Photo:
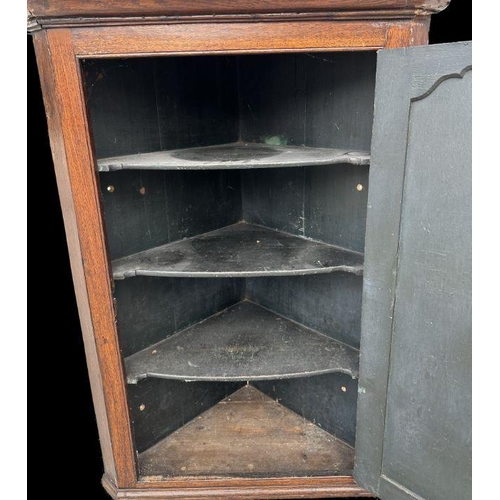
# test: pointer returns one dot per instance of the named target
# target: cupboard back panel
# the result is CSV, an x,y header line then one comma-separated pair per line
x,y
321,100
151,208
150,104
327,303
326,203
274,198
328,401
159,407
152,309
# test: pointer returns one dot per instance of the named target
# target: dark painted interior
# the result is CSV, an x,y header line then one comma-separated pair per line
x,y
150,104
142,105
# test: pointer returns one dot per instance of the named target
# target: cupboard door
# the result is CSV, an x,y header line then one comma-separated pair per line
x,y
414,411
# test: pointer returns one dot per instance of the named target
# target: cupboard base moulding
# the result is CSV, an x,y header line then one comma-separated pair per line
x,y
323,487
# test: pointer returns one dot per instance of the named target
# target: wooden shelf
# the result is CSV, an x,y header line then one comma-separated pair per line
x,y
247,434
240,250
244,342
238,155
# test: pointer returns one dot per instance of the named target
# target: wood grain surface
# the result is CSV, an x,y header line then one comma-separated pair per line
x,y
77,183
242,489
95,8
414,33
244,37
248,434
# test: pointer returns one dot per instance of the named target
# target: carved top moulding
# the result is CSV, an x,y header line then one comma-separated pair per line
x,y
69,13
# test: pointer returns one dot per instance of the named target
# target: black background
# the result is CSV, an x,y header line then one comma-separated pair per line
x,y
67,440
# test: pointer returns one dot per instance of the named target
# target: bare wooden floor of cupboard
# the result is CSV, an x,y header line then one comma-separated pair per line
x,y
247,434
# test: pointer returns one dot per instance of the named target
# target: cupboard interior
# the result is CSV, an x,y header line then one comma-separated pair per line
x,y
234,192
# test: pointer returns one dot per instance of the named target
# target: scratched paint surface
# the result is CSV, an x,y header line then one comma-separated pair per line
x,y
429,405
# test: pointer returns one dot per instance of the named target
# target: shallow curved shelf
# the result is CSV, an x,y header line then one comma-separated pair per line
x,y
238,155
242,343
241,250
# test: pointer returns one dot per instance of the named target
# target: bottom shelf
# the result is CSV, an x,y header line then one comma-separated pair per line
x,y
247,434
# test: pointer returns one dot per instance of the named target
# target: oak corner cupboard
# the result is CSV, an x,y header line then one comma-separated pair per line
x,y
267,206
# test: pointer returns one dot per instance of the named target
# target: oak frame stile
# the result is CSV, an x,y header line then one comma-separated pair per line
x,y
65,32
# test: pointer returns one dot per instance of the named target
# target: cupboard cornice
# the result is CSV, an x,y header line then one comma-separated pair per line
x,y
72,13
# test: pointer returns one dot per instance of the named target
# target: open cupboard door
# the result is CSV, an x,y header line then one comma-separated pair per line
x,y
414,411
